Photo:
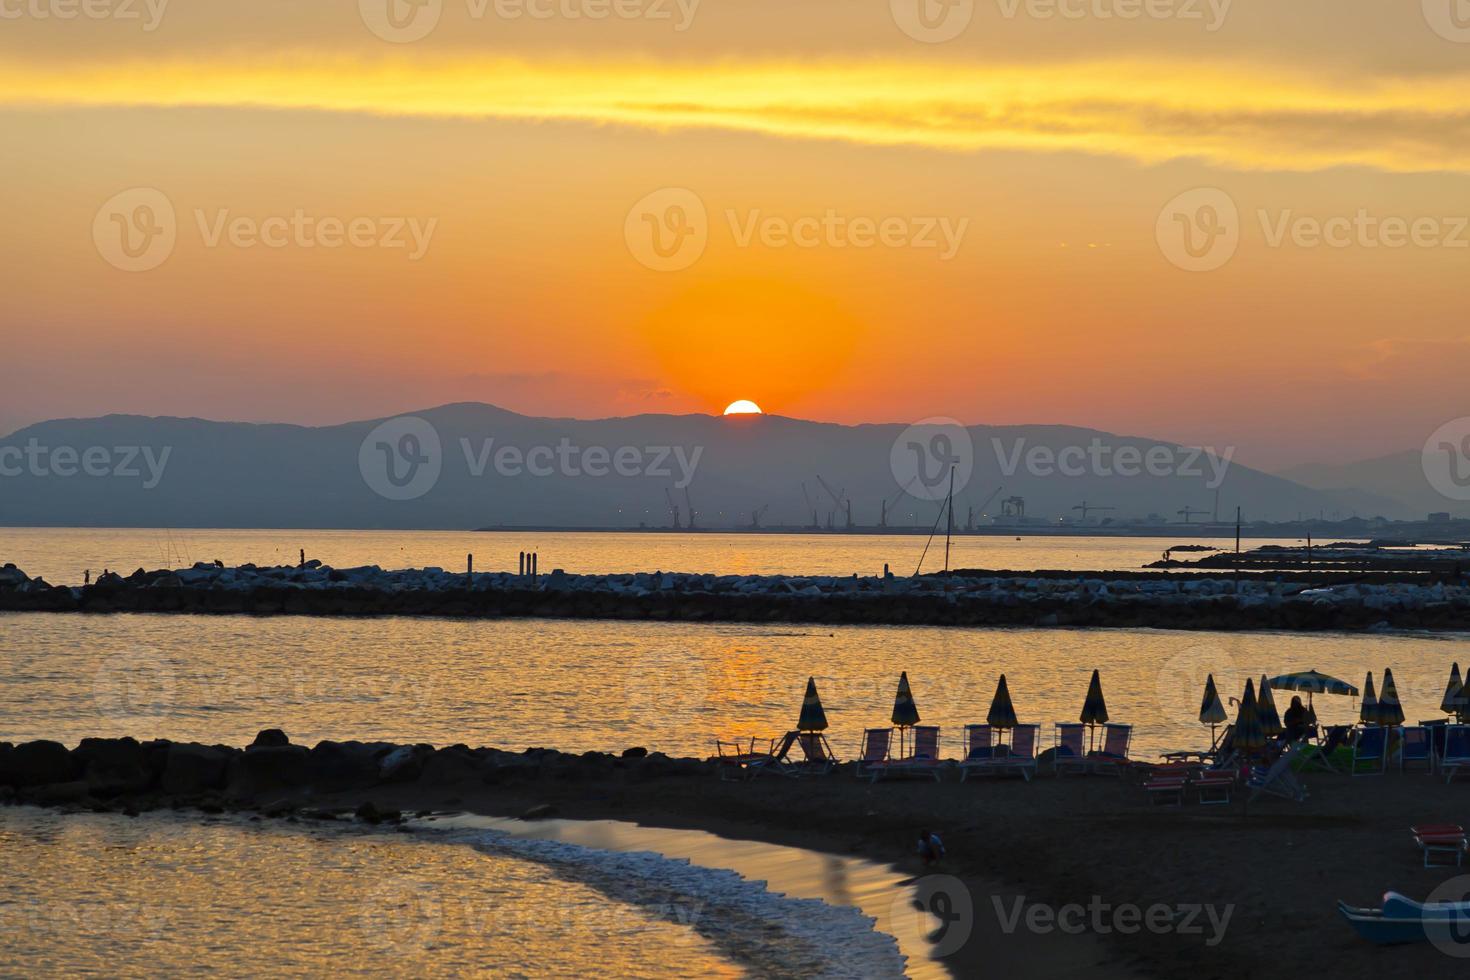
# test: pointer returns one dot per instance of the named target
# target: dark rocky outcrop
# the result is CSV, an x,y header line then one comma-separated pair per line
x,y
36,764
191,768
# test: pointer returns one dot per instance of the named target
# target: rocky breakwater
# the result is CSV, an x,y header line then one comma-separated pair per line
x,y
278,778
1160,599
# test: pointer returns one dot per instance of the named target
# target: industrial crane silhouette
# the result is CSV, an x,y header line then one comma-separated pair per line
x,y
1189,512
757,514
1013,507
1087,508
839,501
673,507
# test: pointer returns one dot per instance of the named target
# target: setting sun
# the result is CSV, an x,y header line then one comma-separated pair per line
x,y
743,407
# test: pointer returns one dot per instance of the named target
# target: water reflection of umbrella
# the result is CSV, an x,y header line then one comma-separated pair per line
x,y
1002,713
1368,711
905,712
1094,708
1248,734
1390,712
813,718
1455,699
1212,709
1266,711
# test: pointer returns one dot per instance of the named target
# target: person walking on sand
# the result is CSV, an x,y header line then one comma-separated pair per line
x,y
931,848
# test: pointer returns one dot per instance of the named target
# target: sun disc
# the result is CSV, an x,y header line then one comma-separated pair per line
x,y
743,407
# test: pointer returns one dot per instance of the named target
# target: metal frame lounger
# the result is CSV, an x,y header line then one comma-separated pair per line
x,y
1112,758
1415,748
1020,757
873,754
979,749
818,758
1456,751
924,762
1279,780
1370,744
1440,839
1067,747
1214,787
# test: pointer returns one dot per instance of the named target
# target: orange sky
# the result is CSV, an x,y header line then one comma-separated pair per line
x,y
1045,147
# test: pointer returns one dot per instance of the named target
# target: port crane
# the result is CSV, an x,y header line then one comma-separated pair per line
x,y
1013,507
810,506
690,516
970,511
673,508
757,514
1087,508
839,500
1189,512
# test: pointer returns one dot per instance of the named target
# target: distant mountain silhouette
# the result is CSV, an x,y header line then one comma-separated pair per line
x,y
230,474
1399,476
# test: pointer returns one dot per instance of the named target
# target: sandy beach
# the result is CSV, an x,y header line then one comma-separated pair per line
x,y
1141,890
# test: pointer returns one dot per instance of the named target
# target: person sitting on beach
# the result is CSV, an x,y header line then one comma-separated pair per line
x,y
931,848
1296,720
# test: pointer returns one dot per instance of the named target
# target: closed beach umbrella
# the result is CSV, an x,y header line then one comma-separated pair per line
x,y
1266,711
905,712
1002,713
1455,701
1368,710
1390,712
813,718
1211,708
1094,708
1248,734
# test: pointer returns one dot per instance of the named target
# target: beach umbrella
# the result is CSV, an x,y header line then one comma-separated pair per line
x,y
1002,713
1455,699
1212,709
1248,734
1266,711
905,712
1368,710
1094,708
813,718
1390,712
1310,682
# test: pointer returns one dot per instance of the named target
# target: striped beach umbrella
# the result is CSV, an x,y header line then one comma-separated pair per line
x,y
813,718
1368,710
1248,734
1211,708
1266,711
1094,708
905,712
1390,712
1311,682
1455,700
1002,713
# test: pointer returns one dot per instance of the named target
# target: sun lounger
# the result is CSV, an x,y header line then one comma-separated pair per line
x,y
1318,755
924,762
1278,780
1112,758
1440,840
1068,752
979,749
1020,757
742,759
1456,751
1370,748
1166,788
817,757
1214,786
874,753
1415,748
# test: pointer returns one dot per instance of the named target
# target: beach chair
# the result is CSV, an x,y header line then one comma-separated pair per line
x,y
1318,755
741,759
1370,746
1112,758
1022,757
817,756
1440,840
874,752
1416,749
1214,787
1068,752
1456,757
1279,779
1166,788
924,762
1222,740
979,749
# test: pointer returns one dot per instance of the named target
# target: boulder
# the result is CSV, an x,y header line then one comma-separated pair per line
x,y
270,738
404,764
191,768
637,752
113,766
451,765
333,766
268,769
36,764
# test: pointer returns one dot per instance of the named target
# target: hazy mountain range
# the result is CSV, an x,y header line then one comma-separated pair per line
x,y
492,467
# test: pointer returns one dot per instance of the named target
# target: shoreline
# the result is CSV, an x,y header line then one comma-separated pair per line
x,y
1161,600
1273,870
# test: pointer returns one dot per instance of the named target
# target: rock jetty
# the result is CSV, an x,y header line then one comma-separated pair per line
x,y
1121,599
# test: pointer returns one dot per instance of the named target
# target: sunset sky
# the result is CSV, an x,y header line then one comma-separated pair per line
x,y
520,145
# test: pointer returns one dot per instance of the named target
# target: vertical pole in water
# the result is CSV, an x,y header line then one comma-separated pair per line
x,y
470,568
1237,551
1309,553
303,558
522,567
949,524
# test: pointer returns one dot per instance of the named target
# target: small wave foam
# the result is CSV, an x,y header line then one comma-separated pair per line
x,y
770,934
